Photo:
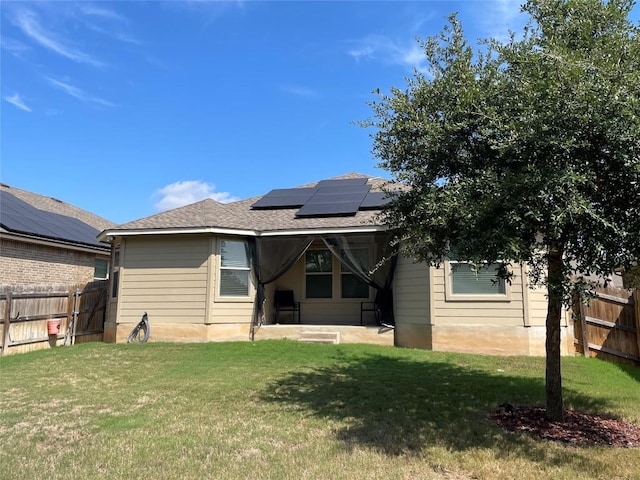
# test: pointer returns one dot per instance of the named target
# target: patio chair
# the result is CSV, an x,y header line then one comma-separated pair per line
x,y
284,302
370,307
383,300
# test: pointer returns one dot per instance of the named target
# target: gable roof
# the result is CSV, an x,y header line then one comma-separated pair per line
x,y
239,218
33,217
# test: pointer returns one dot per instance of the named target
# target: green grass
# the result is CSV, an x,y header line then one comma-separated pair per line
x,y
286,410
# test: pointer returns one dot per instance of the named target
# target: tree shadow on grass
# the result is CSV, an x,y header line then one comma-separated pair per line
x,y
632,370
398,406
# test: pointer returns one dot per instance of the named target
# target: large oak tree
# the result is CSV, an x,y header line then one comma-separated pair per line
x,y
525,151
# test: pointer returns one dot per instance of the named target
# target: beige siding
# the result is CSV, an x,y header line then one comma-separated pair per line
x,y
411,292
165,276
485,312
231,312
412,304
537,300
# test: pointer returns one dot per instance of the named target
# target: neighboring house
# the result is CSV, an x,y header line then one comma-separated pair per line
x,y
211,272
45,241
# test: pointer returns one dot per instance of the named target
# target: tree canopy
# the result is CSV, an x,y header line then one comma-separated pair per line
x,y
525,151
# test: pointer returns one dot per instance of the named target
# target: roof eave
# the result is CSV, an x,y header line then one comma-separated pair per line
x,y
109,235
323,231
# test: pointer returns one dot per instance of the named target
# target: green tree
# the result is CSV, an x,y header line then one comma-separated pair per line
x,y
525,151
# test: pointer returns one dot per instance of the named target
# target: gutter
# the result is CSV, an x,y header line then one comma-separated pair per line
x,y
109,235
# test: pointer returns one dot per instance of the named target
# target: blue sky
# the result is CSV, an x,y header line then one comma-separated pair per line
x,y
129,108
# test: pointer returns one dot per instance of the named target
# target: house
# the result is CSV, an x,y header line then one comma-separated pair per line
x,y
213,272
46,241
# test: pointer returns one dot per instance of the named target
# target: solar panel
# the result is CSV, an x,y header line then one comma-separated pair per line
x,y
344,182
292,192
327,198
333,201
18,216
329,190
285,198
337,198
374,201
328,209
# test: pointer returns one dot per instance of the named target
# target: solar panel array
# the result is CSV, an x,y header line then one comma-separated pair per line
x,y
374,201
18,216
328,198
285,198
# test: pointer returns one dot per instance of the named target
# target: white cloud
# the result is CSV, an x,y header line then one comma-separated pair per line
x,y
498,17
27,21
389,51
96,11
413,56
16,101
491,18
79,93
99,13
186,192
362,51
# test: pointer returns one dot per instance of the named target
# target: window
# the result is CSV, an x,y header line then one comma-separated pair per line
x,y
101,269
468,282
352,286
234,269
319,274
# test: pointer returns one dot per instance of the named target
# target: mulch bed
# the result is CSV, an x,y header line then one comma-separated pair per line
x,y
580,429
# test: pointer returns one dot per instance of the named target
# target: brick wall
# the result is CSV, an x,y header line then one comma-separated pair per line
x,y
33,264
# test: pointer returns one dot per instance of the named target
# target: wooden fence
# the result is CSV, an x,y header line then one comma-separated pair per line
x,y
30,314
609,326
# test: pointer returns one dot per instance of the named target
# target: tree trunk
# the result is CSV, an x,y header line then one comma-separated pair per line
x,y
555,410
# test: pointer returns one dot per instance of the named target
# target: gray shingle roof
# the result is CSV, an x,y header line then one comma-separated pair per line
x,y
238,215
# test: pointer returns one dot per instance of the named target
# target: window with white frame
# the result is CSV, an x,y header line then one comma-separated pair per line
x,y
101,269
351,285
234,268
470,280
319,274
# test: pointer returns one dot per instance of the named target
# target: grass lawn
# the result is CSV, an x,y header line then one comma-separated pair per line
x,y
287,410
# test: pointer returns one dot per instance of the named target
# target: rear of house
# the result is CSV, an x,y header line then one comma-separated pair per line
x,y
211,272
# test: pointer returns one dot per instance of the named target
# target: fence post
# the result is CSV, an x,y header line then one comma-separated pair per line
x,y
583,326
70,310
76,310
7,324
